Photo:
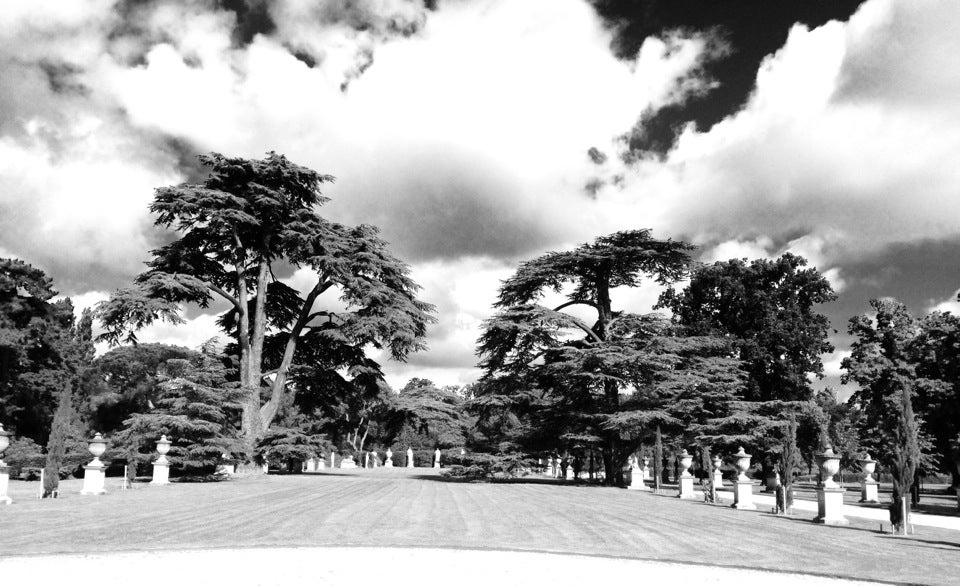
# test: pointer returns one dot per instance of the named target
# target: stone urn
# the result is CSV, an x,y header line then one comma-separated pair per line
x,y
829,463
686,460
868,466
717,474
97,447
163,446
742,461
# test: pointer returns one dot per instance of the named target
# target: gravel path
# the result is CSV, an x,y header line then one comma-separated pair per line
x,y
378,565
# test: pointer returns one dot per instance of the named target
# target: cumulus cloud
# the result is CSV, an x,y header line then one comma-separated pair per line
x,y
831,152
950,304
464,130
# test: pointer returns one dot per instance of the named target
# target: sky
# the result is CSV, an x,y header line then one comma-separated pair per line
x,y
479,133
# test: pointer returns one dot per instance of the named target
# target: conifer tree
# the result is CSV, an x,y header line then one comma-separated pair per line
x,y
231,231
197,408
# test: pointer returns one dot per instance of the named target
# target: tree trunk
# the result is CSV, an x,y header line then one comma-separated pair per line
x,y
657,460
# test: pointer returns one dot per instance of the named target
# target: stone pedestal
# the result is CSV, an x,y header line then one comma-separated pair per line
x,y
4,484
366,460
333,459
636,481
645,470
93,479
830,507
743,495
686,487
718,479
161,473
869,492
348,462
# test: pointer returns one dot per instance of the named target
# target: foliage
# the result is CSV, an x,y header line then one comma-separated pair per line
x,y
76,353
285,445
554,379
883,363
39,353
937,393
480,466
230,232
769,306
789,458
124,380
196,408
428,416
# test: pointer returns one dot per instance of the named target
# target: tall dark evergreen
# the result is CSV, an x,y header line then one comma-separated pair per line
x,y
76,353
197,407
883,363
229,234
572,370
35,349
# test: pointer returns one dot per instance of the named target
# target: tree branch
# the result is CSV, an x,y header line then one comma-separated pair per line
x,y
577,302
223,293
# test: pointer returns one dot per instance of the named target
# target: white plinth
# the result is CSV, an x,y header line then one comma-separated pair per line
x,y
229,469
686,488
348,462
743,495
636,481
830,507
93,477
718,479
388,463
868,492
646,472
436,464
4,484
161,473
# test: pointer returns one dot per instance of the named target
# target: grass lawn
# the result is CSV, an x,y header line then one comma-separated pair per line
x,y
413,508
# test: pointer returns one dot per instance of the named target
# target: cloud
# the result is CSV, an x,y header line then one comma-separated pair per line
x,y
950,304
815,162
463,131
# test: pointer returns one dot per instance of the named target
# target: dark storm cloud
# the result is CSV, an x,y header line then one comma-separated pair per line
x,y
441,205
752,30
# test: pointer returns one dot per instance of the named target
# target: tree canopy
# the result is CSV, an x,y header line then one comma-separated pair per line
x,y
230,233
41,352
770,307
563,372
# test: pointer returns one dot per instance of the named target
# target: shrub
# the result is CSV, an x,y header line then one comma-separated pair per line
x,y
476,466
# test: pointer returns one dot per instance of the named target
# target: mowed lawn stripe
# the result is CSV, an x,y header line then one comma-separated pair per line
x,y
404,508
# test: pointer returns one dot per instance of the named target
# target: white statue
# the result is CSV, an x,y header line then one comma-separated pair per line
x,y
436,458
409,457
389,462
